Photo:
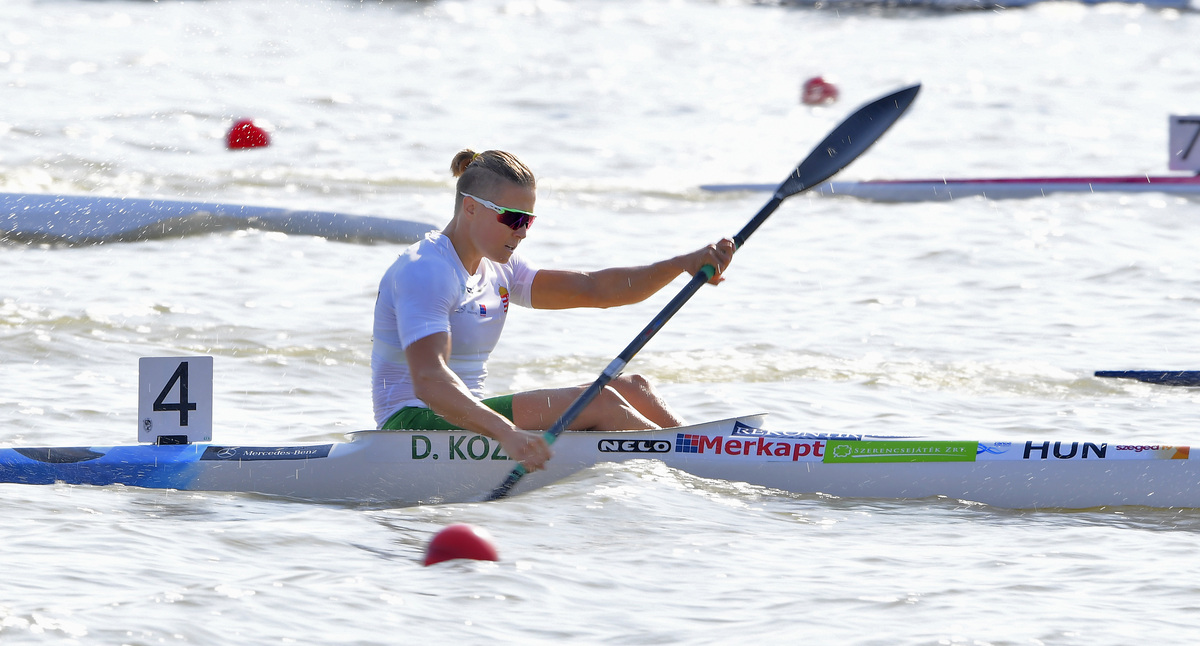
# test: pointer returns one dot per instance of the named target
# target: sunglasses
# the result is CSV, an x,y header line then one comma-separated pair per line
x,y
511,218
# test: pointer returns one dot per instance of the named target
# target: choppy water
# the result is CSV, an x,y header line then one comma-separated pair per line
x,y
971,320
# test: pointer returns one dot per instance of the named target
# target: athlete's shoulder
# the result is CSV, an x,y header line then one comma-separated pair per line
x,y
425,266
426,255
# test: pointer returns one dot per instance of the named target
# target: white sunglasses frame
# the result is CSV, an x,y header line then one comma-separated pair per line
x,y
500,210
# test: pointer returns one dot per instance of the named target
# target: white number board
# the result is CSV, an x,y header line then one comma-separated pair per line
x,y
1184,139
175,399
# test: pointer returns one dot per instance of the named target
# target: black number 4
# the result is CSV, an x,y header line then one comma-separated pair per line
x,y
181,376
1187,152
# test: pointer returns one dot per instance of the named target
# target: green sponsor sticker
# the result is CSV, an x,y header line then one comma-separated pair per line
x,y
848,451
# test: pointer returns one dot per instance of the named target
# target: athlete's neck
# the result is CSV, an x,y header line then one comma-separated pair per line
x,y
468,254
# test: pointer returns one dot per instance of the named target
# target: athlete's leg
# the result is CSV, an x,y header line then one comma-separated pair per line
x,y
537,410
629,402
640,393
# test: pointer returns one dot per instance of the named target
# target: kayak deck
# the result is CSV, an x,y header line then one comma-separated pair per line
x,y
424,467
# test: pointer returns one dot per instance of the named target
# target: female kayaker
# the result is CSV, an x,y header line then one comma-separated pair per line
x,y
442,305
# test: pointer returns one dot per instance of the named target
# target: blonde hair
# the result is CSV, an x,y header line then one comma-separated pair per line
x,y
481,171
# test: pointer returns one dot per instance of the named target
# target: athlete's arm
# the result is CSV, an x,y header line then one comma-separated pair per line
x,y
555,289
436,385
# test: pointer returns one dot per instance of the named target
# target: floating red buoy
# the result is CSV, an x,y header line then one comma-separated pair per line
x,y
817,91
244,134
461,542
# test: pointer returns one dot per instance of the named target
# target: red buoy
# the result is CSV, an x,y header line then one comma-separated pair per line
x,y
818,91
244,134
461,542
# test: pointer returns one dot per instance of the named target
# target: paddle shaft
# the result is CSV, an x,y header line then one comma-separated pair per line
x,y
849,140
615,368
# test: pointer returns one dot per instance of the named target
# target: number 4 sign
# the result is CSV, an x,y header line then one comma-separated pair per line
x,y
175,399
1182,137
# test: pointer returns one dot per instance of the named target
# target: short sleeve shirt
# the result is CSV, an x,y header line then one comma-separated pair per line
x,y
426,291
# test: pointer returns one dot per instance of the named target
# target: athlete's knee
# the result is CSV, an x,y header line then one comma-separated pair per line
x,y
634,382
612,397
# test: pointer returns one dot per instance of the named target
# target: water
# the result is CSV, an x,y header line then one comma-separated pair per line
x,y
968,320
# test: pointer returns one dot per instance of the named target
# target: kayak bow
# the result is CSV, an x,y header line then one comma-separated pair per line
x,y
85,219
1161,377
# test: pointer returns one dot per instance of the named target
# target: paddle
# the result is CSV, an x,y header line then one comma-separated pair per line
x,y
849,140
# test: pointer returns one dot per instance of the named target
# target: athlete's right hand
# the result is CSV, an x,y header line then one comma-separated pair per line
x,y
528,448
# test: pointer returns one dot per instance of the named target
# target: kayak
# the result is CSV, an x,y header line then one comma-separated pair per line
x,y
1161,377
964,5
430,467
941,190
81,219
1183,133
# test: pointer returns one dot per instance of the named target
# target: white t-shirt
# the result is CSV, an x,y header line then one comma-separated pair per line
x,y
426,291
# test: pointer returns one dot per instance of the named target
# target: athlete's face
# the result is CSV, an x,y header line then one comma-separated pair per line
x,y
497,240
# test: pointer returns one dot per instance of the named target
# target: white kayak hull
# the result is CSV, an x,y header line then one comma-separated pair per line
x,y
429,467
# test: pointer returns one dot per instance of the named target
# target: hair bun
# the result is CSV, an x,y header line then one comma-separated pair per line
x,y
459,164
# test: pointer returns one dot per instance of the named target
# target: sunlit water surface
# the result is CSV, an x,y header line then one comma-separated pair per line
x,y
969,320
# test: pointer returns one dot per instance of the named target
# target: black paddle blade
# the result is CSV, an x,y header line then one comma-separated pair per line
x,y
849,140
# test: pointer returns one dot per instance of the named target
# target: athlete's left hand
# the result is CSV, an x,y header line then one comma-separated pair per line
x,y
719,255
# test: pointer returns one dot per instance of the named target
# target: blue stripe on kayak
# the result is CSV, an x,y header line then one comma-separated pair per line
x,y
151,466
158,467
